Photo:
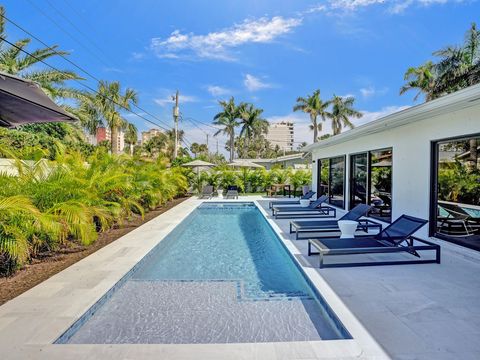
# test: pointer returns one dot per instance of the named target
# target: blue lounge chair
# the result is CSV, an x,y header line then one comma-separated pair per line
x,y
355,214
307,196
316,208
395,238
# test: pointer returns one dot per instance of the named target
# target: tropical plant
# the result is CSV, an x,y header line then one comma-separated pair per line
x,y
314,107
300,178
106,106
251,122
342,112
131,136
228,119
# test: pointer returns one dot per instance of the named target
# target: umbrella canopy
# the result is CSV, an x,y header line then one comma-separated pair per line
x,y
196,163
23,101
244,163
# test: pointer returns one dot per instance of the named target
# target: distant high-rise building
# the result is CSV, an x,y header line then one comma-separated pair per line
x,y
281,134
104,133
147,135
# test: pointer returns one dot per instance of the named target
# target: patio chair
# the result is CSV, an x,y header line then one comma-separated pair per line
x,y
299,226
395,238
207,192
232,192
316,209
307,196
458,222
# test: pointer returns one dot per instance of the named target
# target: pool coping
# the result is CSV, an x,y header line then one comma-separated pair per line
x,y
30,323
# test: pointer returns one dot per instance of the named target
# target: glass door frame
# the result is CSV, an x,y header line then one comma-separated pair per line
x,y
434,150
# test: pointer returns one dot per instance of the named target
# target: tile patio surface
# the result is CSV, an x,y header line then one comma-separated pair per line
x,y
412,311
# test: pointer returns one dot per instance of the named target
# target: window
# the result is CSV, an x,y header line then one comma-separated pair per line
x,y
455,211
331,180
371,182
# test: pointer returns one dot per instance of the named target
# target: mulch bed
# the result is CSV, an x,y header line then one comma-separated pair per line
x,y
47,265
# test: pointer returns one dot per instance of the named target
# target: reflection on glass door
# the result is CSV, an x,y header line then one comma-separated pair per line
x,y
381,184
337,182
456,203
358,181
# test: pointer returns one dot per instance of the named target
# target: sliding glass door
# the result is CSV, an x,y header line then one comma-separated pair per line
x,y
358,179
455,210
337,182
380,178
331,180
371,182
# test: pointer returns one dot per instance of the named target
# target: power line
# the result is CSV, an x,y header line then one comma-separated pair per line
x,y
59,12
79,68
82,84
66,31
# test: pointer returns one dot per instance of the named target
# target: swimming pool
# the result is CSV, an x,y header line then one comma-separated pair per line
x,y
221,276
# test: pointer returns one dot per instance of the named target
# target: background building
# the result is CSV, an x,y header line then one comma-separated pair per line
x,y
104,134
281,134
147,135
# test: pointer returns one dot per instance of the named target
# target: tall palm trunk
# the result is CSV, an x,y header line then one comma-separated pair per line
x,y
473,154
315,128
114,139
232,140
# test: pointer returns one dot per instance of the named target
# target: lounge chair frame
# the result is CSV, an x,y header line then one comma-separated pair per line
x,y
205,193
409,247
307,196
363,225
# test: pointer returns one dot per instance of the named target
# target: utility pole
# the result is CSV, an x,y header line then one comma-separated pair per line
x,y
175,119
207,144
217,147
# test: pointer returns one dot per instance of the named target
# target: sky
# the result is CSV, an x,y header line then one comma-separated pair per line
x,y
267,52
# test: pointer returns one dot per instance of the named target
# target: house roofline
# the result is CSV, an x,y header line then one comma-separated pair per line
x,y
449,103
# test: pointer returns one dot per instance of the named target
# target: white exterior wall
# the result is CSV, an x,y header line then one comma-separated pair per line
x,y
411,183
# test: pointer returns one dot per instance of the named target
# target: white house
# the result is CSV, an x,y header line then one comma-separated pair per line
x,y
422,161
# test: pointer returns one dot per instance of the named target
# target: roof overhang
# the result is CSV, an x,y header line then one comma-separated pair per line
x,y
23,101
449,103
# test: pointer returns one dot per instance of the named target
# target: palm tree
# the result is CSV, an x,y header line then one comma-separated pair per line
x,y
228,118
342,111
110,102
314,106
458,67
252,123
131,136
14,61
421,78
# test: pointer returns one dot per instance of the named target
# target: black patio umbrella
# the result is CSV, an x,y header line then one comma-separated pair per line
x,y
23,101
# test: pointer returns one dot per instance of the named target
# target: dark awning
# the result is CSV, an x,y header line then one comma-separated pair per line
x,y
22,101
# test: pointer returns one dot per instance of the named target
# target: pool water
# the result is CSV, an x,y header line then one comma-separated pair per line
x,y
221,276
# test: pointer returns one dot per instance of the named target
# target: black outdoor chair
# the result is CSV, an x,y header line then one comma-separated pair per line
x,y
320,226
395,238
316,209
232,192
207,192
307,196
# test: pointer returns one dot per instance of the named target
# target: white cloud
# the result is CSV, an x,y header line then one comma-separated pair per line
x,y
217,45
371,91
394,6
167,99
138,56
253,83
216,90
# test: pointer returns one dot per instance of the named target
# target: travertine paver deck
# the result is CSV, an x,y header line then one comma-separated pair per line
x,y
426,311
